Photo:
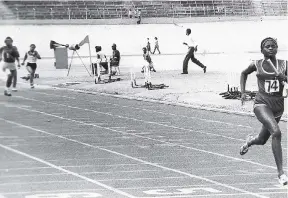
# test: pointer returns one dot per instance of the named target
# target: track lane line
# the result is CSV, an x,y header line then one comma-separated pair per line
x,y
134,119
66,171
123,155
154,111
162,141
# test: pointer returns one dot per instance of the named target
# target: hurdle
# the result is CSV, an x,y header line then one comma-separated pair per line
x,y
147,80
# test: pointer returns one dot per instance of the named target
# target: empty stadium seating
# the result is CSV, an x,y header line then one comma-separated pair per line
x,y
88,9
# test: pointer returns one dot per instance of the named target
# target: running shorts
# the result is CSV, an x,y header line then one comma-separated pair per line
x,y
32,65
10,66
275,103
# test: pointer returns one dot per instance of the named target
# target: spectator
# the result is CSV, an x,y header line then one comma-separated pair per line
x,y
148,46
130,13
156,46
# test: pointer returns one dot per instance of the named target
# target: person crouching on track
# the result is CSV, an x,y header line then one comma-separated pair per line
x,y
192,47
9,54
101,58
147,58
31,57
269,102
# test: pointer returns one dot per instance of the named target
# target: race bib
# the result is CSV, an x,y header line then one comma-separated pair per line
x,y
272,86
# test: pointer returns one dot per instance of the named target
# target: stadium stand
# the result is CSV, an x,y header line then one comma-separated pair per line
x,y
75,9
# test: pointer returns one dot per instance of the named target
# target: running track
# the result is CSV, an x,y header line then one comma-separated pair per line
x,y
63,144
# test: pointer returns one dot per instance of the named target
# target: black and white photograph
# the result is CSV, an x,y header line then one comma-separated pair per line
x,y
143,98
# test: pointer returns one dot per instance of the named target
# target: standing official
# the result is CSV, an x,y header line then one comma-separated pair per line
x,y
115,59
192,47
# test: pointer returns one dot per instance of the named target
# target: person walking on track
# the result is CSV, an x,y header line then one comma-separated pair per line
x,y
192,47
9,54
156,46
148,46
269,102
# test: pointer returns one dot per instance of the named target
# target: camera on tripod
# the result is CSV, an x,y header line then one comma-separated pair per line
x,y
54,45
74,47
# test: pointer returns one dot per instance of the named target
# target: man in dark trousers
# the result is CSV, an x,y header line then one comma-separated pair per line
x,y
192,47
115,59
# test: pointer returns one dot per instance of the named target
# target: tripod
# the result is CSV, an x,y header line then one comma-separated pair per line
x,y
74,51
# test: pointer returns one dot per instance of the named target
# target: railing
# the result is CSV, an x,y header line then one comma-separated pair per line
x,y
119,9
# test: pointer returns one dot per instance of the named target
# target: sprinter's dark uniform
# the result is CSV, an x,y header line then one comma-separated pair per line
x,y
270,88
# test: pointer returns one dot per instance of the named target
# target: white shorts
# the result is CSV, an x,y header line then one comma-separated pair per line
x,y
10,66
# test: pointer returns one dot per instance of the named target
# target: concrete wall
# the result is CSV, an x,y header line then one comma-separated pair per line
x,y
133,21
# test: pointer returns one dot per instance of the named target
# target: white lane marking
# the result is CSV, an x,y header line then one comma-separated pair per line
x,y
181,191
30,168
162,141
86,173
51,191
40,182
60,96
159,112
133,158
66,195
214,195
134,119
67,171
276,187
79,166
8,137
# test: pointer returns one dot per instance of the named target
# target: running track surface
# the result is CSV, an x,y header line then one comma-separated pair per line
x,y
63,144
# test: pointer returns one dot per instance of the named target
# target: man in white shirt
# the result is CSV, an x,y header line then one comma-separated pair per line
x,y
130,13
192,47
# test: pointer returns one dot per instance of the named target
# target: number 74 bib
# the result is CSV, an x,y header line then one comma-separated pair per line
x,y
272,86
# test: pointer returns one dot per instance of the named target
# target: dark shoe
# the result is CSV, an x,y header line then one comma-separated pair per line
x,y
6,93
184,73
204,69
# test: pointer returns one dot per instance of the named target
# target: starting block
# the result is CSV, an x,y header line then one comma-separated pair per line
x,y
99,74
147,82
234,93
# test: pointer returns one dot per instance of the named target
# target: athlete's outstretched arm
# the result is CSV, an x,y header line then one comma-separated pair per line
x,y
244,75
1,51
38,55
25,58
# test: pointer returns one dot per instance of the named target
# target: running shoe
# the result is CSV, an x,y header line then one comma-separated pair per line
x,y
32,87
7,93
14,89
244,149
283,180
204,69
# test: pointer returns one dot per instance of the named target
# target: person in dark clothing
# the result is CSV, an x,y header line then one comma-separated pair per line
x,y
148,47
192,47
115,59
156,47
9,54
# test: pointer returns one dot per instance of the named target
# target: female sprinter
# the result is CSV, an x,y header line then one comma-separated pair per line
x,y
9,54
269,102
31,57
